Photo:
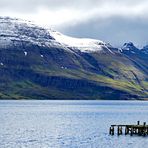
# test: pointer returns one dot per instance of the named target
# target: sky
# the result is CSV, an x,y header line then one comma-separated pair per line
x,y
112,21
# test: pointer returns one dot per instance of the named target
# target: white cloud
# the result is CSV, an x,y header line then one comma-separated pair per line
x,y
67,13
57,12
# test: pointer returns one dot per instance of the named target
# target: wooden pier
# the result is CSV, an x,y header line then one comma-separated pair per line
x,y
140,130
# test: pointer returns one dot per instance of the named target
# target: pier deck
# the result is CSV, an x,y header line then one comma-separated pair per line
x,y
141,130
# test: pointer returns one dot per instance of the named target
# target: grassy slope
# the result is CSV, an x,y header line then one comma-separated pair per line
x,y
18,90
113,71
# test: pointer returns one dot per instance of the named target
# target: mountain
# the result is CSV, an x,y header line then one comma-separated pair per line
x,y
129,48
40,63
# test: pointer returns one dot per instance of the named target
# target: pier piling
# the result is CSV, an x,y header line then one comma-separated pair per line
x,y
111,130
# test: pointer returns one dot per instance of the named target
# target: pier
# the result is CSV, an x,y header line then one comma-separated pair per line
x,y
140,130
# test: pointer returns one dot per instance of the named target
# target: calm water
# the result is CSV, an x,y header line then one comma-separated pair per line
x,y
69,124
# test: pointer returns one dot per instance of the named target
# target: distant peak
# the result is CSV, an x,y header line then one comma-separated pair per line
x,y
129,44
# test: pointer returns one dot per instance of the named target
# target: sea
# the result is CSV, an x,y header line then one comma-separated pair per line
x,y
69,124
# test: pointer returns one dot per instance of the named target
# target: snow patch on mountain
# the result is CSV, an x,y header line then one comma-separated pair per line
x,y
13,31
25,53
82,44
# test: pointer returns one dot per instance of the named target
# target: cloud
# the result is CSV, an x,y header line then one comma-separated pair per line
x,y
78,16
76,10
115,30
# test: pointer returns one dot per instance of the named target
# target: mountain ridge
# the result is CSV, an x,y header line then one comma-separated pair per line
x,y
40,63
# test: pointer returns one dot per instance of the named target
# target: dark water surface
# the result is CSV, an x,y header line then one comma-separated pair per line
x,y
69,124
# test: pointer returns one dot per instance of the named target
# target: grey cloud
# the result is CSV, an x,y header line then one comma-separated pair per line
x,y
115,30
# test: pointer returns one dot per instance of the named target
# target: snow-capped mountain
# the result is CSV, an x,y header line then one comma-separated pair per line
x,y
14,30
129,48
40,63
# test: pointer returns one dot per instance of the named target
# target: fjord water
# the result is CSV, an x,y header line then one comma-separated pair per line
x,y
69,124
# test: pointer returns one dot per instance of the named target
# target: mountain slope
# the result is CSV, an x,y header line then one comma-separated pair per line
x,y
39,63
